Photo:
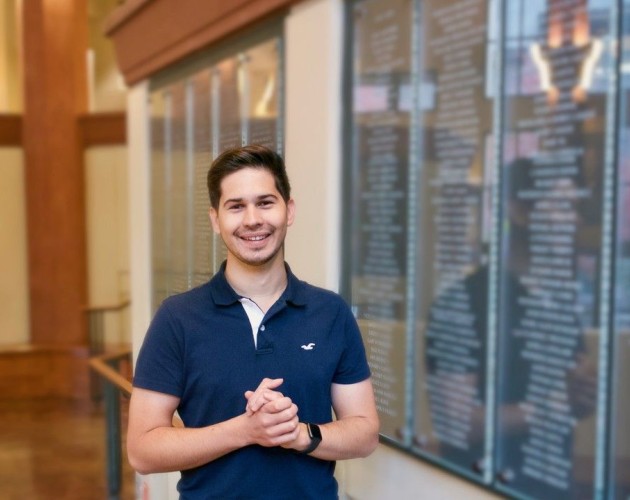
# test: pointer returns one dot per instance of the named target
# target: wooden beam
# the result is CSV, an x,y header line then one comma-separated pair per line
x,y
99,129
10,130
151,35
55,95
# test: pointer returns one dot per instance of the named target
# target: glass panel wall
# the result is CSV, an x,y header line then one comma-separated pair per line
x,y
554,165
487,226
620,421
381,98
221,101
451,252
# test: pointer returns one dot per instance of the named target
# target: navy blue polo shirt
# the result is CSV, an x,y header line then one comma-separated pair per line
x,y
200,348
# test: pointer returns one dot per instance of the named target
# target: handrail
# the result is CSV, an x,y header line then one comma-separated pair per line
x,y
115,383
106,365
96,316
107,307
101,365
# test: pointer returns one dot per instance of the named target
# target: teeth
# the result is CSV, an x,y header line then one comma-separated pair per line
x,y
255,238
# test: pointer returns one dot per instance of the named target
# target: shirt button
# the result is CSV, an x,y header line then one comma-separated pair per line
x,y
262,328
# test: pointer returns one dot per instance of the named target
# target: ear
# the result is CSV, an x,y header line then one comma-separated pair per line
x,y
214,220
290,211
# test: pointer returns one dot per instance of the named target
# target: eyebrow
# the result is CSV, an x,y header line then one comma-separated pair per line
x,y
258,198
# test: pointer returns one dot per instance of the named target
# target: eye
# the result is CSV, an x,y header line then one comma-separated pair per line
x,y
235,206
265,203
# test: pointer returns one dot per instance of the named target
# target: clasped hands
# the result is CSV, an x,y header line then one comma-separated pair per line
x,y
272,416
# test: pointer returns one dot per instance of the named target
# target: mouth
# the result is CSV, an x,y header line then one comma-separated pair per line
x,y
254,238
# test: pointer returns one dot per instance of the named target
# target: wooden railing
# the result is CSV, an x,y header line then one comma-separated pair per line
x,y
114,383
96,331
103,365
96,323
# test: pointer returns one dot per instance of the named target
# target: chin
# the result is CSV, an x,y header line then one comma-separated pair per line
x,y
257,260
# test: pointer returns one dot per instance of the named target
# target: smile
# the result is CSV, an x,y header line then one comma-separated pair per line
x,y
254,238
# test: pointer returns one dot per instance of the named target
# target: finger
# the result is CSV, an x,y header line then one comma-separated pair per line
x,y
279,405
256,405
275,415
265,384
256,400
282,432
270,383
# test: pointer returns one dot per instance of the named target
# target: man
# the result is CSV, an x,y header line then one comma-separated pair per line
x,y
252,361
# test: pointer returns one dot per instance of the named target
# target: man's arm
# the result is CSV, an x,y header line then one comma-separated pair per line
x,y
355,431
154,445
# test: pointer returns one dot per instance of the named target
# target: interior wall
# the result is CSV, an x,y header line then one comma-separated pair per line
x,y
107,216
14,310
107,91
10,68
313,41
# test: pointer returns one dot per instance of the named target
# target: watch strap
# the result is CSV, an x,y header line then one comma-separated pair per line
x,y
316,437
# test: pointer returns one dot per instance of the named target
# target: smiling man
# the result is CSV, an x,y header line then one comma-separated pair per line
x,y
255,361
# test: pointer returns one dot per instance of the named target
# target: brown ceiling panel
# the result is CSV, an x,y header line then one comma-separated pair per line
x,y
150,35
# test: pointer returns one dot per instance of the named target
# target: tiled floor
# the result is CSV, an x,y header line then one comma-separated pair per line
x,y
55,449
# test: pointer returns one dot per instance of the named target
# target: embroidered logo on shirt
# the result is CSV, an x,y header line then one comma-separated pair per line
x,y
308,347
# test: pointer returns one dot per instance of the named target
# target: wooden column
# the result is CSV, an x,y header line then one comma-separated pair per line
x,y
55,95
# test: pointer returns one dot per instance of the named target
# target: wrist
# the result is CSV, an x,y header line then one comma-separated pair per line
x,y
313,437
242,429
303,439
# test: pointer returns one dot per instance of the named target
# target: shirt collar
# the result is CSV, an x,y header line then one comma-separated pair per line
x,y
224,295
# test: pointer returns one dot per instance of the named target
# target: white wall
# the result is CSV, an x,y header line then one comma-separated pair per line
x,y
107,215
10,62
14,300
313,138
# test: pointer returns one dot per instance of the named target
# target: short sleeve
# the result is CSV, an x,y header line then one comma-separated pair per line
x,y
353,366
160,363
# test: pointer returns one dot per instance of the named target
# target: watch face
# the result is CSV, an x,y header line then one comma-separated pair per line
x,y
316,437
314,432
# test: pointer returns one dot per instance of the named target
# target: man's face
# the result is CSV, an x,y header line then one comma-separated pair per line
x,y
252,218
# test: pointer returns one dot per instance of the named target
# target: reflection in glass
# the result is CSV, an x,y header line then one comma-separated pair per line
x,y
553,171
453,240
620,432
234,101
509,321
263,80
178,188
381,97
202,151
231,83
160,218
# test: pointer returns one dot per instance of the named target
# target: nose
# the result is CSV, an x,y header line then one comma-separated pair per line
x,y
252,216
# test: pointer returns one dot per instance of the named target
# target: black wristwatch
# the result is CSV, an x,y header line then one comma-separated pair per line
x,y
316,437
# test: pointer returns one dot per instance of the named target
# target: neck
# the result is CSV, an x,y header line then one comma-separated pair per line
x,y
263,284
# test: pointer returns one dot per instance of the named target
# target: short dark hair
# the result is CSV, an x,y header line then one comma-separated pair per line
x,y
252,156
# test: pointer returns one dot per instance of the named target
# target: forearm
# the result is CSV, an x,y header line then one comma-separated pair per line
x,y
350,437
166,449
